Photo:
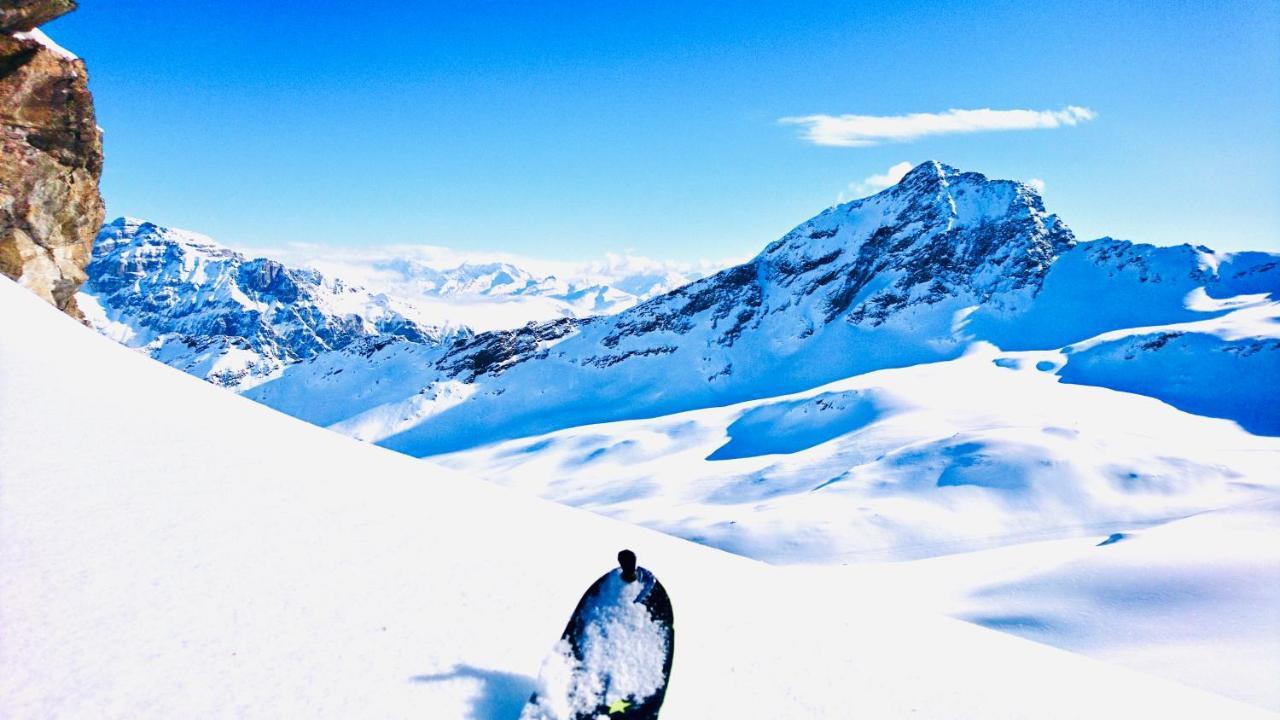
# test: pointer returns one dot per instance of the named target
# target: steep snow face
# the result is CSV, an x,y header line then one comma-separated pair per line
x,y
1106,285
228,561
216,314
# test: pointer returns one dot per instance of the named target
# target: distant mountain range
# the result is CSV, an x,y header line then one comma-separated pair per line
x,y
238,321
487,290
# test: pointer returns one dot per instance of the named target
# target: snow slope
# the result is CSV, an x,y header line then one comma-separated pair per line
x,y
223,560
986,450
1195,599
954,459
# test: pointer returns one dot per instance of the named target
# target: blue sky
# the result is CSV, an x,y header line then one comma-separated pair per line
x,y
566,129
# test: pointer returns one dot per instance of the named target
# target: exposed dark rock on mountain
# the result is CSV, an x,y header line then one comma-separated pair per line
x,y
940,234
50,157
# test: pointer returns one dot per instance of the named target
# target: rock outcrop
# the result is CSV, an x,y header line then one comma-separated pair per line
x,y
50,157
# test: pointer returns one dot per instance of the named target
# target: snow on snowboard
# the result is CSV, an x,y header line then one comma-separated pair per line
x,y
614,658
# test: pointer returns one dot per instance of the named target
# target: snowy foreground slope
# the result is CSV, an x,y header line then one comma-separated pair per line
x,y
980,460
1195,599
172,550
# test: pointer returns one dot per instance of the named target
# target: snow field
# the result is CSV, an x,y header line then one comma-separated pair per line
x,y
172,550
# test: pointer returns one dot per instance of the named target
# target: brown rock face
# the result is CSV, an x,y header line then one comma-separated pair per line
x,y
50,159
23,15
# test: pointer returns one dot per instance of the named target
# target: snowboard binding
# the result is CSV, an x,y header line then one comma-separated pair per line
x,y
627,560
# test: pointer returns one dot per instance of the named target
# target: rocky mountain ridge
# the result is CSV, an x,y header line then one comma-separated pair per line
x,y
938,235
916,273
235,321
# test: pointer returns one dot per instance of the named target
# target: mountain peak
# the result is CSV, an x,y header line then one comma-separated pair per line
x,y
929,172
940,232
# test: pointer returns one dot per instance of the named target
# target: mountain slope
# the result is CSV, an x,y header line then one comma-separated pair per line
x,y
990,449
1193,600
216,314
242,564
914,274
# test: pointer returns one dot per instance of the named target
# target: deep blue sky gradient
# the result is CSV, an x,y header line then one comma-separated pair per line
x,y
564,129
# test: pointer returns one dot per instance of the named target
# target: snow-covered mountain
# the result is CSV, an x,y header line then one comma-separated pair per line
x,y
226,561
916,273
216,313
234,321
498,291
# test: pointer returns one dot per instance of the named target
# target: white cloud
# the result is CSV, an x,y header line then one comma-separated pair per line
x,y
1036,183
866,130
876,183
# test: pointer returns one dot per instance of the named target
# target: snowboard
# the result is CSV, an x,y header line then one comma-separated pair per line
x,y
614,658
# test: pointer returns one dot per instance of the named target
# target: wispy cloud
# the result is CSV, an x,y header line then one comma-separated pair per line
x,y
1036,183
874,183
867,130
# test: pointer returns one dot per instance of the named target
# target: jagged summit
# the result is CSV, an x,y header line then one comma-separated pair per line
x,y
927,173
148,238
938,233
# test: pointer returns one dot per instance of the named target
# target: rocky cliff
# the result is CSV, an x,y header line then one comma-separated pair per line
x,y
51,159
